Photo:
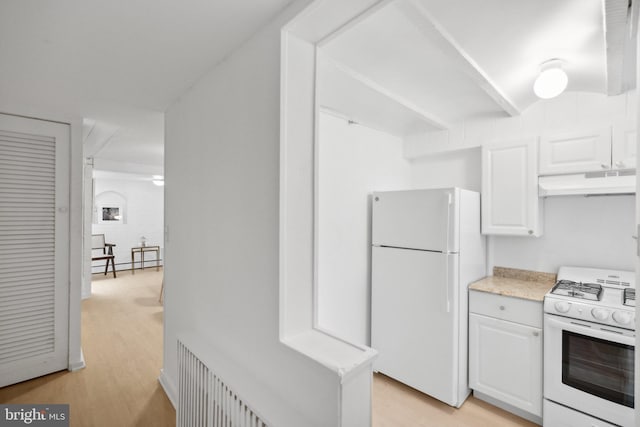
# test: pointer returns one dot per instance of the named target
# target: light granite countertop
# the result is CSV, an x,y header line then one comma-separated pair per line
x,y
531,285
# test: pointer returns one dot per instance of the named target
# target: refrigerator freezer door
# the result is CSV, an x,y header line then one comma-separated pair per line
x,y
417,219
415,320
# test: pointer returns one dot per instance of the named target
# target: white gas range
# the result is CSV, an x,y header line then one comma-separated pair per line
x,y
589,340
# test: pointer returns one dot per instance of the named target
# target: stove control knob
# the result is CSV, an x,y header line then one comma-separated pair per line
x,y
622,317
600,313
562,306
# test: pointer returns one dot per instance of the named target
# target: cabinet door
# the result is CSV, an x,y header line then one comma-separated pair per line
x,y
34,248
505,361
575,152
623,153
510,203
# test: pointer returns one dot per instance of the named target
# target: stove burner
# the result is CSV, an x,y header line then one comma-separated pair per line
x,y
629,297
589,291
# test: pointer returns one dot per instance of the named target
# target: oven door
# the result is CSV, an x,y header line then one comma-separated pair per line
x,y
590,368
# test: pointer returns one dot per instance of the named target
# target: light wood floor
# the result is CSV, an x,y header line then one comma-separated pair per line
x,y
122,345
397,405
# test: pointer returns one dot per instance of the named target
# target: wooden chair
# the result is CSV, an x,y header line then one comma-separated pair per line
x,y
97,242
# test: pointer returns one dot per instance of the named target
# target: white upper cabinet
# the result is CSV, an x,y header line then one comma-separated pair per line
x,y
588,151
575,152
510,203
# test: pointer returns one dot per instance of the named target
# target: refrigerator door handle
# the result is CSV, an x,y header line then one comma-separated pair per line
x,y
446,278
446,269
449,202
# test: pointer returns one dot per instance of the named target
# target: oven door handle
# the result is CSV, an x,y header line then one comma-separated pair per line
x,y
595,331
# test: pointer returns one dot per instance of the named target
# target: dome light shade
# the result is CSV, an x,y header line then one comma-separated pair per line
x,y
551,81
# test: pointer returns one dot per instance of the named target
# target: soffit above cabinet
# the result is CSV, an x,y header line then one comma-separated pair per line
x,y
436,63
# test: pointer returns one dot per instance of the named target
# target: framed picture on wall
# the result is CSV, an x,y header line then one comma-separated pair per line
x,y
111,214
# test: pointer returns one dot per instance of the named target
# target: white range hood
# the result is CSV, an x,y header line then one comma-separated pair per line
x,y
590,183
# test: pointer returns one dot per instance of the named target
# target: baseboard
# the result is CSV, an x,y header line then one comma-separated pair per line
x,y
507,407
76,366
169,388
124,266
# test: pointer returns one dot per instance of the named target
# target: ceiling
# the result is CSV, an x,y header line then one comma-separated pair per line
x,y
118,63
407,65
441,62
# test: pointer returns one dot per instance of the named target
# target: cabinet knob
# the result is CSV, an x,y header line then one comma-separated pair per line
x,y
530,232
536,333
604,166
620,164
502,307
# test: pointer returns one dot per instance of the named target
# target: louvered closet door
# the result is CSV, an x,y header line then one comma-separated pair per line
x,y
34,248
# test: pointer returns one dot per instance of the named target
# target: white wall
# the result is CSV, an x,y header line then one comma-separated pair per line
x,y
593,231
353,161
87,224
579,231
222,175
144,216
460,168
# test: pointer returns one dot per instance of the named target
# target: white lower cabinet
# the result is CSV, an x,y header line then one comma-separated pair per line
x,y
505,352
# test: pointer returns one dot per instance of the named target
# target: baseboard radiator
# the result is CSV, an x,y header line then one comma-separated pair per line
x,y
204,400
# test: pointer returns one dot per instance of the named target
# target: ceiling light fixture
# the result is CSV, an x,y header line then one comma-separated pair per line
x,y
551,81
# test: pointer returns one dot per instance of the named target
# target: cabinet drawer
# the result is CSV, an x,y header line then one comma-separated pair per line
x,y
517,310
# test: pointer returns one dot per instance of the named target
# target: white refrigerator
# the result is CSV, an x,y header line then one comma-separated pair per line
x,y
427,248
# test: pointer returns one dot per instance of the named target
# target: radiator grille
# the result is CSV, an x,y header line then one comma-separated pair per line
x,y
204,400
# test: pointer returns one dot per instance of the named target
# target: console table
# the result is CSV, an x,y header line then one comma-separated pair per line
x,y
142,250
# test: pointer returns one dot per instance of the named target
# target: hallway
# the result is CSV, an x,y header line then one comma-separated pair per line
x,y
122,345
